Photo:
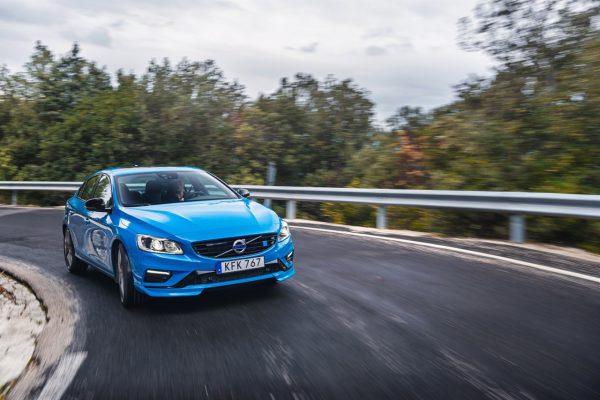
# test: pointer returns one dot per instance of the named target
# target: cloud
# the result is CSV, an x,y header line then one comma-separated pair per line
x,y
23,13
132,7
260,41
309,48
118,24
375,51
379,32
100,37
401,46
388,41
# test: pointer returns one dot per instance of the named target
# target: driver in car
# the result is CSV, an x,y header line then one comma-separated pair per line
x,y
175,191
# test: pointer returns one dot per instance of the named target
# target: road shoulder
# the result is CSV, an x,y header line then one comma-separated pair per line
x,y
561,258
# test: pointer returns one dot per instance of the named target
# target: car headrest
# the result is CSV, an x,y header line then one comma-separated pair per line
x,y
130,196
172,185
153,187
124,188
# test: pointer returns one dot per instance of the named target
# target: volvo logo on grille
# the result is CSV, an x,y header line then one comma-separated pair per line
x,y
239,246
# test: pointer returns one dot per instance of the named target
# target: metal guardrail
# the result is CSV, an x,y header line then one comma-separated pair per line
x,y
516,204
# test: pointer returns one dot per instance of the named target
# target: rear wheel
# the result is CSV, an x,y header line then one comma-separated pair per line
x,y
127,293
74,264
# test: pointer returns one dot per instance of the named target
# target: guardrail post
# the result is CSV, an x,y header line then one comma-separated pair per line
x,y
381,217
13,198
290,209
517,228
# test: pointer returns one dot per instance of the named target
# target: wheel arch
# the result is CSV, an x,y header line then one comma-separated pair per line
x,y
114,248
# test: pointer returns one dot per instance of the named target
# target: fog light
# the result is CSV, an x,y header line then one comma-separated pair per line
x,y
155,276
282,265
290,257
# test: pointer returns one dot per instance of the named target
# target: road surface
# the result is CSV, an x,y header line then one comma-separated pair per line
x,y
363,318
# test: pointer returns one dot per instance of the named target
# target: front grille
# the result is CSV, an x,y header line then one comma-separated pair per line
x,y
222,248
212,277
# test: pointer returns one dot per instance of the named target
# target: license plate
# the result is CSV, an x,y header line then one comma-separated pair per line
x,y
244,264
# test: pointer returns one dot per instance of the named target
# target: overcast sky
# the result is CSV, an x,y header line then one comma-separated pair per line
x,y
403,51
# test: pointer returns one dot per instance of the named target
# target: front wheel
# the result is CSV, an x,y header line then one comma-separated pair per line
x,y
127,293
74,264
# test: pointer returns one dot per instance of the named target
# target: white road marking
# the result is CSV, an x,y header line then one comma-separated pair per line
x,y
63,376
463,251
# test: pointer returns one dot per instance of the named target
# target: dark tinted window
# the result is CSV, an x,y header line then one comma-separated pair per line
x,y
86,191
170,187
103,190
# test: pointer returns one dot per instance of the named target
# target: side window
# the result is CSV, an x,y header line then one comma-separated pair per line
x,y
103,190
86,191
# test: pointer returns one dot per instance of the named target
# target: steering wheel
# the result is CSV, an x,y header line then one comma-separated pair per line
x,y
191,192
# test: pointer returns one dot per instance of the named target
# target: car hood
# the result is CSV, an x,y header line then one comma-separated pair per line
x,y
206,220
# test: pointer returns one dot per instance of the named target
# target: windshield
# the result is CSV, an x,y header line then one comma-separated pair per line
x,y
170,187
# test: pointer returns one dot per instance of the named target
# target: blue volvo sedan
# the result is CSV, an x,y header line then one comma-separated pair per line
x,y
171,231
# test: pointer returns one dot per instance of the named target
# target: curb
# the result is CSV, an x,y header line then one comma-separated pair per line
x,y
23,318
64,331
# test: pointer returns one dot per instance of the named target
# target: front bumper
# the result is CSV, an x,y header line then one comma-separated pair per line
x,y
191,274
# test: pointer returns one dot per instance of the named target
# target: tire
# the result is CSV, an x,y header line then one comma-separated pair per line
x,y
74,264
128,295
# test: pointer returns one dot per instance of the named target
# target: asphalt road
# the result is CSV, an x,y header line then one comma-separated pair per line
x,y
362,318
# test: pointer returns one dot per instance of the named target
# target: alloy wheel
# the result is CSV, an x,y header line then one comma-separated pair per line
x,y
68,247
121,274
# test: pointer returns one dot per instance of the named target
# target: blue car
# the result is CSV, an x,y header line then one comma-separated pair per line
x,y
168,232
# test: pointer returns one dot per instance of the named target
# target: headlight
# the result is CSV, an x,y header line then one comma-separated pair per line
x,y
284,233
158,245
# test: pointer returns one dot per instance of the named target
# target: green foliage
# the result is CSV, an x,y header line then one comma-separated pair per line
x,y
311,129
533,126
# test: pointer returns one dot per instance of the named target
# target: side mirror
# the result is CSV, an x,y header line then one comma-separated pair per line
x,y
96,204
244,193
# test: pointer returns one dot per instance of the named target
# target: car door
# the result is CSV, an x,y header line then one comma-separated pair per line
x,y
78,214
99,231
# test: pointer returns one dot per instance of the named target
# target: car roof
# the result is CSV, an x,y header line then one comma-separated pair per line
x,y
119,171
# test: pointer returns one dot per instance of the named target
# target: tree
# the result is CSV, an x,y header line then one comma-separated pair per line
x,y
190,113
